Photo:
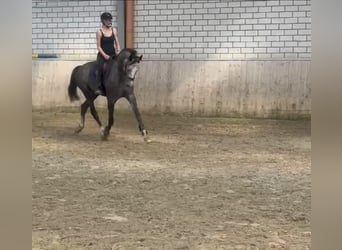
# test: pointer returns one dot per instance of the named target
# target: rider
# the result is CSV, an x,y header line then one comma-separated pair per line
x,y
107,45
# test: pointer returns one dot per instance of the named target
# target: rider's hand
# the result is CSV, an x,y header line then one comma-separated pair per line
x,y
107,57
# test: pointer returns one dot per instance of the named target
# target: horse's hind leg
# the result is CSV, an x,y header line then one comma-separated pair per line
x,y
84,108
96,116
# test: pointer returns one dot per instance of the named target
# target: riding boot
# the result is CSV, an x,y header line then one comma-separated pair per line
x,y
98,90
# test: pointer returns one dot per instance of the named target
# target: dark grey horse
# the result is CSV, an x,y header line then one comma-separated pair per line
x,y
118,79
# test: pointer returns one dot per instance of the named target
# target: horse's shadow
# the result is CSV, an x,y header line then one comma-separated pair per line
x,y
66,134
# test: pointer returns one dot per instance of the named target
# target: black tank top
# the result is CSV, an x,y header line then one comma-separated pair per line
x,y
107,44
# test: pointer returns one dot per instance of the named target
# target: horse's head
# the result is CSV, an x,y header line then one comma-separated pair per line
x,y
130,62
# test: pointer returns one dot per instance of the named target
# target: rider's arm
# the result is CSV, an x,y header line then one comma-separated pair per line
x,y
98,43
116,41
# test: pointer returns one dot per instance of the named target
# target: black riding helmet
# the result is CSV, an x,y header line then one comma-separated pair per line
x,y
106,16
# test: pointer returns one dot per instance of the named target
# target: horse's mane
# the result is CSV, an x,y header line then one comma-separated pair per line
x,y
120,59
124,54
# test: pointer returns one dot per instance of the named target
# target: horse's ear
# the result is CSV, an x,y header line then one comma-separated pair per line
x,y
140,57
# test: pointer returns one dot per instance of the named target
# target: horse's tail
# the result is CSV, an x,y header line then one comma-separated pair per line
x,y
72,89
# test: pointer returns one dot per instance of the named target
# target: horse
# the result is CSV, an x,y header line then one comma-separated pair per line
x,y
118,81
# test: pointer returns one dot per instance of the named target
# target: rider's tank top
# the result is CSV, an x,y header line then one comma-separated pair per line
x,y
107,44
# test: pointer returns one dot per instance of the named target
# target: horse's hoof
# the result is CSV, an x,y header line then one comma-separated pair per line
x,y
104,133
78,129
104,137
146,137
147,140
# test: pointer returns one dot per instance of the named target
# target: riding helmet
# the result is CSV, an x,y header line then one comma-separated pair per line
x,y
106,16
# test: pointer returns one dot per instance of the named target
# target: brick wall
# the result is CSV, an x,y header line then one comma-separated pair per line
x,y
181,29
223,29
68,28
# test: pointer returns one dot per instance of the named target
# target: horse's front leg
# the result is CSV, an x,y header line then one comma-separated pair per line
x,y
110,105
133,102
